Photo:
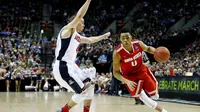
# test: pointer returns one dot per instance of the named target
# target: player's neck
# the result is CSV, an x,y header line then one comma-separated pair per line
x,y
128,48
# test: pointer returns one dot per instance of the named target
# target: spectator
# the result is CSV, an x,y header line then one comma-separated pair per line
x,y
197,73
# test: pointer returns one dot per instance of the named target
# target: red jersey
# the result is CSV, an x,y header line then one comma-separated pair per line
x,y
130,62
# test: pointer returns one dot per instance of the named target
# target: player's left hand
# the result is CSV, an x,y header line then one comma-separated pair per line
x,y
131,84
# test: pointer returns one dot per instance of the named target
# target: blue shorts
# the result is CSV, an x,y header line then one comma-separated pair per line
x,y
39,77
7,78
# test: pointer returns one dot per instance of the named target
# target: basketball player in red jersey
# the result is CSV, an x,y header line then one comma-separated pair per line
x,y
128,67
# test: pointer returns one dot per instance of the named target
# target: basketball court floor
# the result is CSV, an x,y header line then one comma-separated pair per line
x,y
50,101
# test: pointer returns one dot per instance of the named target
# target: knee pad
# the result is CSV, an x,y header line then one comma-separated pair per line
x,y
90,93
87,94
148,101
155,97
77,98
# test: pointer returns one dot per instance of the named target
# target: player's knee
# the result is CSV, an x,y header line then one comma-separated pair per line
x,y
90,93
77,98
155,97
89,96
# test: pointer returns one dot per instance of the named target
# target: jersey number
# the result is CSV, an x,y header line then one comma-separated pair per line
x,y
134,63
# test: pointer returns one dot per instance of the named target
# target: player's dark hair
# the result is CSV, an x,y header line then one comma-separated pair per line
x,y
124,30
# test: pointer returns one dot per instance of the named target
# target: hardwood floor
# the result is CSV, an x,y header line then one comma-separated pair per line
x,y
50,101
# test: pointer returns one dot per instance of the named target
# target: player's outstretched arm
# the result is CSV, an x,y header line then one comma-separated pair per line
x,y
73,24
146,48
94,39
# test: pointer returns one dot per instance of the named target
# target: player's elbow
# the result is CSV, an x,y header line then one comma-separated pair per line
x,y
150,49
115,72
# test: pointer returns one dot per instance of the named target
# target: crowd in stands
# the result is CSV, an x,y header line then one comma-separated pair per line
x,y
99,16
154,18
184,63
19,59
16,18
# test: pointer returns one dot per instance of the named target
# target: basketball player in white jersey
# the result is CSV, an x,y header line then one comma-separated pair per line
x,y
66,72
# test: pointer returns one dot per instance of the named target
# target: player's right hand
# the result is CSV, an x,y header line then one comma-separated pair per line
x,y
131,84
106,35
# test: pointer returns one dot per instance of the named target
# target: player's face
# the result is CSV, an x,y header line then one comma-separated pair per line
x,y
81,25
125,39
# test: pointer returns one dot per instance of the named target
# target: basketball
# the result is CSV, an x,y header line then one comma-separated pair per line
x,y
162,54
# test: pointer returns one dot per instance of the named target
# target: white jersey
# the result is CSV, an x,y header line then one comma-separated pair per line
x,y
66,49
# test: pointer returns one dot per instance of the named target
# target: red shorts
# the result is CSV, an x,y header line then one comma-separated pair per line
x,y
145,80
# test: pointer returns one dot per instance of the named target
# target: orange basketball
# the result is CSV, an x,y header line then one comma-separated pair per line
x,y
162,54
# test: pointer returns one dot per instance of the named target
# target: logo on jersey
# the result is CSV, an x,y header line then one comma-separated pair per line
x,y
134,63
137,55
133,58
71,82
78,38
136,47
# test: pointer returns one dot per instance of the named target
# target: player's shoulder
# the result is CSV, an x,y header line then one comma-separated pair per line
x,y
67,31
135,41
118,48
67,27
